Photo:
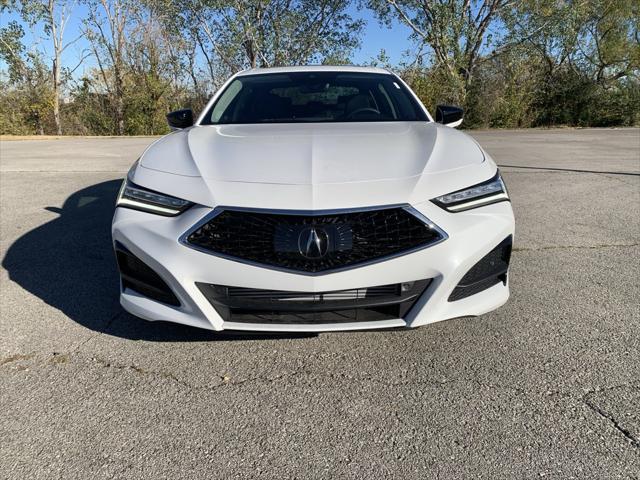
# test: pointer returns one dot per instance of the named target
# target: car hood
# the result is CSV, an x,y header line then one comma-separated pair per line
x,y
233,164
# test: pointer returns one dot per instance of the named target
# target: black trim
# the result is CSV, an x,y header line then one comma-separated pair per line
x,y
446,114
247,305
180,118
489,271
139,277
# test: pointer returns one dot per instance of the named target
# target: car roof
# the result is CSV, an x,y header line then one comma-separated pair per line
x,y
313,68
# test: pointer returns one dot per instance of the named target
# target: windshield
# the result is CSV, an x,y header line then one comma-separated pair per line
x,y
314,97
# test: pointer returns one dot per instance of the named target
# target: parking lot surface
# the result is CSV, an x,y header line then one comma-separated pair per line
x,y
546,386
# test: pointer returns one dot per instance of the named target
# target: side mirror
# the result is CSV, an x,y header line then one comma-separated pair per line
x,y
180,119
448,115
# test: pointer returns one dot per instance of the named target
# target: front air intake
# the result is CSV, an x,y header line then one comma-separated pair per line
x,y
489,271
139,277
367,304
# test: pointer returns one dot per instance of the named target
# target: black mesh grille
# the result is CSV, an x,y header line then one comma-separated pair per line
x,y
249,305
278,295
139,277
344,239
373,314
464,291
489,271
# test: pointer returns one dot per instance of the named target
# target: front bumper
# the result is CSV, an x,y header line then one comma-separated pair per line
x,y
154,240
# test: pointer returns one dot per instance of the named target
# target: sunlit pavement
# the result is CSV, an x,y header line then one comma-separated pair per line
x,y
548,385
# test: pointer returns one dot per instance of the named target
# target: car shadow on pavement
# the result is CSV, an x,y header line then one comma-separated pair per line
x,y
69,264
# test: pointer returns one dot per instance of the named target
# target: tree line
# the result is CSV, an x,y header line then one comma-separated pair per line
x,y
509,63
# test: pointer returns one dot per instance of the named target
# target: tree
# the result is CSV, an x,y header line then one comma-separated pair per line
x,y
105,29
56,16
12,49
510,63
29,96
53,15
252,33
609,41
584,56
457,33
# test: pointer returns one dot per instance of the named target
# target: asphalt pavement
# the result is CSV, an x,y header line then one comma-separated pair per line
x,y
546,386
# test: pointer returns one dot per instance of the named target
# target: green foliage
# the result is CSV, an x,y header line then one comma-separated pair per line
x,y
12,49
510,64
259,33
91,112
26,96
559,63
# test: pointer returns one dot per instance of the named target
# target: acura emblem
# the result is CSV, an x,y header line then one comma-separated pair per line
x,y
313,242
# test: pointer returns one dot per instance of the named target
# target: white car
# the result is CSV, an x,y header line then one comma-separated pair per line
x,y
313,199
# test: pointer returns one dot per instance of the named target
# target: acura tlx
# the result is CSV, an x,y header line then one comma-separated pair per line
x,y
313,199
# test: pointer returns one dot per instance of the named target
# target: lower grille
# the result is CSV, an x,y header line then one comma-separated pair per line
x,y
278,295
246,305
489,271
139,277
314,318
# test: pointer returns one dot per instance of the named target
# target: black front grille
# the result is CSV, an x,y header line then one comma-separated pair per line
x,y
248,305
313,243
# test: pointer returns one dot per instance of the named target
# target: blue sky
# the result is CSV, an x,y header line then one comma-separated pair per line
x,y
375,37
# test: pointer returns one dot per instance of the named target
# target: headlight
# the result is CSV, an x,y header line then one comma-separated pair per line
x,y
485,193
139,198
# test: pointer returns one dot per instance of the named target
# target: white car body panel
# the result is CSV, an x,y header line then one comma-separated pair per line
x,y
313,167
310,164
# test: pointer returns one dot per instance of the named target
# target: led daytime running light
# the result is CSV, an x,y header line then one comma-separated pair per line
x,y
485,193
139,198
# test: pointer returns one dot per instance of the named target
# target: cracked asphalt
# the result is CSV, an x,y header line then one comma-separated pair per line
x,y
546,386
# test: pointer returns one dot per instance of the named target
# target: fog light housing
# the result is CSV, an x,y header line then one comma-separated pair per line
x,y
139,277
489,271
